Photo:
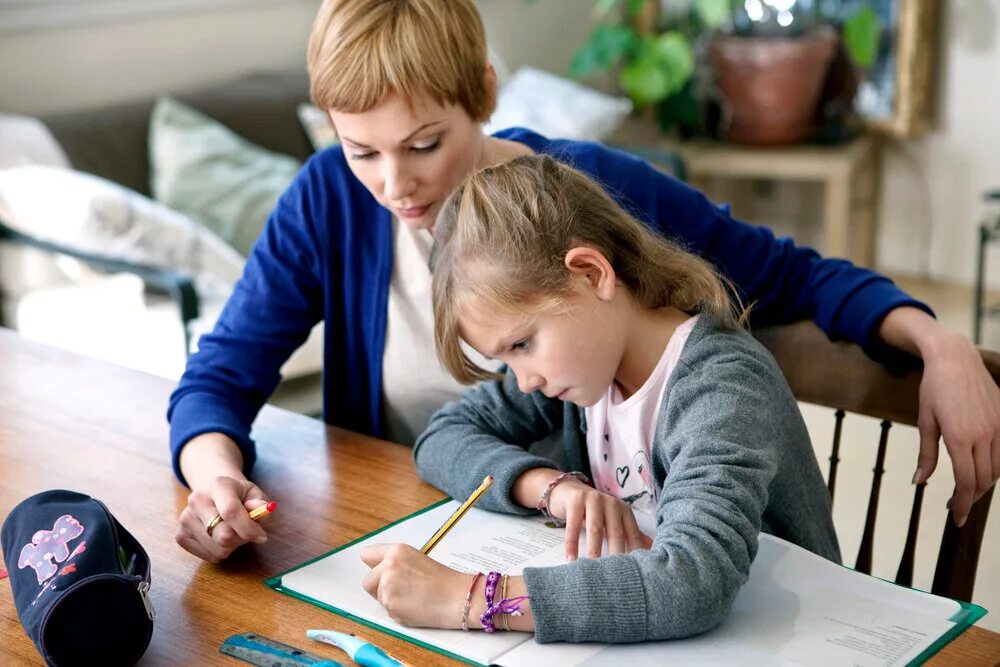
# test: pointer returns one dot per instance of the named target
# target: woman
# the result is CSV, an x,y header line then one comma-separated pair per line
x,y
407,86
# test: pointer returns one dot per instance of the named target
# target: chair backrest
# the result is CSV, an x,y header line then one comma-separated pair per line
x,y
840,376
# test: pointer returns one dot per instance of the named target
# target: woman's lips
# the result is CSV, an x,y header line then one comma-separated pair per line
x,y
413,212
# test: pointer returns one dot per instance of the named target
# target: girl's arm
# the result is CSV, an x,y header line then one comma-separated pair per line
x,y
725,419
489,430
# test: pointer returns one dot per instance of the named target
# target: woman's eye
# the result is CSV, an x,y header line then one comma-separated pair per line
x,y
427,148
362,156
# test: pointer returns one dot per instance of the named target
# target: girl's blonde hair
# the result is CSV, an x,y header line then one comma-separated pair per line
x,y
362,50
501,239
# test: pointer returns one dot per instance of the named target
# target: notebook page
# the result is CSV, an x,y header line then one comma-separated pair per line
x,y
480,541
796,609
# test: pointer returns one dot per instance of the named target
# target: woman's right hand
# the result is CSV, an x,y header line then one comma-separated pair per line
x,y
212,465
602,515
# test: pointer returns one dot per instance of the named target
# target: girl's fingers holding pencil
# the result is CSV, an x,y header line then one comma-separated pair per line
x,y
374,554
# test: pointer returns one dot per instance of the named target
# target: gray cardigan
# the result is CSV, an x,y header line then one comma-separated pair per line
x,y
731,458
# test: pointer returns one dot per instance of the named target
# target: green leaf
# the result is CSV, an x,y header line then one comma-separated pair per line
x,y
676,56
634,7
861,34
713,13
645,80
602,50
603,7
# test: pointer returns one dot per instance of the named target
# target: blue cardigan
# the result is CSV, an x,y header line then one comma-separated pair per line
x,y
326,254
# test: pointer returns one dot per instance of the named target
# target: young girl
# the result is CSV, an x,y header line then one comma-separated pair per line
x,y
632,349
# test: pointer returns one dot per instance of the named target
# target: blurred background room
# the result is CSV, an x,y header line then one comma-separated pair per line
x,y
144,142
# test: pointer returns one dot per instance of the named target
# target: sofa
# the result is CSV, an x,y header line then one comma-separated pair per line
x,y
127,312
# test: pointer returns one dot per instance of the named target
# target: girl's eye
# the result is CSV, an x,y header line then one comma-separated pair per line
x,y
428,148
521,345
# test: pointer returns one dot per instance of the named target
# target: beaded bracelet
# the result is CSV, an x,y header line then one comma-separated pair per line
x,y
468,601
543,501
510,606
503,596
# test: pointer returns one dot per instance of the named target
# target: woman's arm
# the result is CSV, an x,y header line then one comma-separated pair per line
x,y
784,283
959,400
269,314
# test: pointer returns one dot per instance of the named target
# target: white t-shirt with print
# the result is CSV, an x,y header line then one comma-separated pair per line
x,y
620,431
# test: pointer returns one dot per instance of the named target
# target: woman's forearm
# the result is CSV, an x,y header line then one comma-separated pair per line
x,y
913,330
208,456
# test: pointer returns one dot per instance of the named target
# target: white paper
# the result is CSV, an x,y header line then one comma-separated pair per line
x,y
796,608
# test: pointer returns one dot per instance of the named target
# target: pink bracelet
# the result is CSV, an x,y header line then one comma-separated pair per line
x,y
543,501
468,602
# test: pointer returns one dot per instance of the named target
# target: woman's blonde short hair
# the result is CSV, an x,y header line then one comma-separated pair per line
x,y
362,50
501,239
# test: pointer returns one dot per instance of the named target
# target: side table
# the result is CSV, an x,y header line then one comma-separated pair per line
x,y
849,173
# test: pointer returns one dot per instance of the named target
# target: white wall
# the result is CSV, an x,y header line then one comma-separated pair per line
x,y
89,65
75,67
932,187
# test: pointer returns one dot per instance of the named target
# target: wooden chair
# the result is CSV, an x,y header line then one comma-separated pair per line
x,y
840,376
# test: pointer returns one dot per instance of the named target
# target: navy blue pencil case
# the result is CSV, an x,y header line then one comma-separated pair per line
x,y
80,580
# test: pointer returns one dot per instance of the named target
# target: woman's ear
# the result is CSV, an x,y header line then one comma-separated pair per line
x,y
593,270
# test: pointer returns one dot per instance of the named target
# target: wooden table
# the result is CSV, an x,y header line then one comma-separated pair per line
x,y
69,422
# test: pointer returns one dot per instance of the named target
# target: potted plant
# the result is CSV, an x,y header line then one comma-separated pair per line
x,y
661,50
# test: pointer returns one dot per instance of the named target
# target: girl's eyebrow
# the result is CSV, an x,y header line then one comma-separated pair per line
x,y
405,139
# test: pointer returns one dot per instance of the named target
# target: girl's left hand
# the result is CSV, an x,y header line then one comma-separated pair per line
x,y
415,589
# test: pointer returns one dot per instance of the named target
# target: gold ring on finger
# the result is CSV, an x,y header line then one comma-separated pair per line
x,y
212,524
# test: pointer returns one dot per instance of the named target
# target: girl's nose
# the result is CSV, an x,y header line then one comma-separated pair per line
x,y
529,382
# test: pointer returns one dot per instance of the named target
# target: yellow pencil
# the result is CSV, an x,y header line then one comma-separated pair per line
x,y
453,519
263,510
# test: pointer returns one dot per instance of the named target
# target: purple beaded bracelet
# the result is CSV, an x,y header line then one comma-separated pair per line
x,y
510,606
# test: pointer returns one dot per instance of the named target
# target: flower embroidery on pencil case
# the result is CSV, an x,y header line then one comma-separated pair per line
x,y
50,545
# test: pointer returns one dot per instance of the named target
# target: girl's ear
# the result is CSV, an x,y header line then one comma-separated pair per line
x,y
593,271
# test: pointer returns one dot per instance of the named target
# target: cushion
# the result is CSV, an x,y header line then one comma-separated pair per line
x,y
203,169
556,107
97,216
318,126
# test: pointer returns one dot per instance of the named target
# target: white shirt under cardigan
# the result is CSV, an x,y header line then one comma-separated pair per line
x,y
620,431
414,383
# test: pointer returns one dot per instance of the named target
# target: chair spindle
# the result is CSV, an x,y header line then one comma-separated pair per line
x,y
864,562
904,576
835,454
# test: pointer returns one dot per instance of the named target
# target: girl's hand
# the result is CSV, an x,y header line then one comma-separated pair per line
x,y
230,498
604,517
415,589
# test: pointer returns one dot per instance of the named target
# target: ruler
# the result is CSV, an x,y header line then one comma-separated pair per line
x,y
257,650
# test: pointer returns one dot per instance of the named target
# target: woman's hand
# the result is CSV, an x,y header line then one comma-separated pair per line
x,y
959,401
232,499
603,516
212,465
415,589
